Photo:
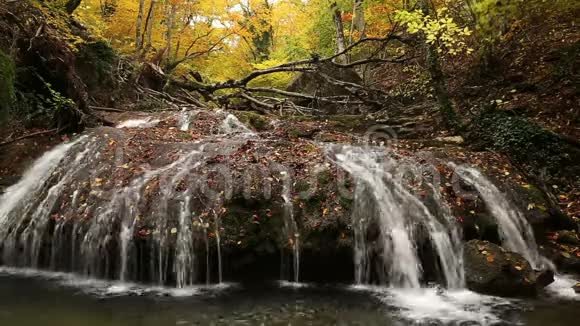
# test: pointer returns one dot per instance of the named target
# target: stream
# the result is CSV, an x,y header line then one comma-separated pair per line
x,y
33,298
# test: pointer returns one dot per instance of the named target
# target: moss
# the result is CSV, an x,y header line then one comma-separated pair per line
x,y
346,202
301,185
568,63
96,61
7,76
535,195
253,119
324,177
520,138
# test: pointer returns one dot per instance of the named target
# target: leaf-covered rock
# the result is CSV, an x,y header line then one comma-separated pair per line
x,y
490,269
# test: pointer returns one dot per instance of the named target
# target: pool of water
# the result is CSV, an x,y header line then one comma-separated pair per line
x,y
34,298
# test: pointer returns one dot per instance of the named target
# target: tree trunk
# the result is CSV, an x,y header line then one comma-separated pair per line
x,y
358,20
146,39
138,42
72,5
169,35
438,81
340,40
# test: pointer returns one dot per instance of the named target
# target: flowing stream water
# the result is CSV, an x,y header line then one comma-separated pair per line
x,y
381,197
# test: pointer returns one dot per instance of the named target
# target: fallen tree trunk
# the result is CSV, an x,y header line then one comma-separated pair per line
x,y
356,93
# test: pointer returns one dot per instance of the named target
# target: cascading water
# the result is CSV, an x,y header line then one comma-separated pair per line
x,y
20,200
515,231
291,230
185,118
232,125
185,254
139,123
64,214
382,198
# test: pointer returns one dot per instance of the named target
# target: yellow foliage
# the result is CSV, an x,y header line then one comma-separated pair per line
x,y
439,30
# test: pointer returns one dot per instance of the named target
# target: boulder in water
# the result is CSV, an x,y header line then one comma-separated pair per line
x,y
490,269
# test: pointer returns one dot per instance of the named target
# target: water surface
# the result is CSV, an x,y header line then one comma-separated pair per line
x,y
52,299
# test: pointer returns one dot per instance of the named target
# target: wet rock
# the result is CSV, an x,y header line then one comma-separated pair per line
x,y
480,226
545,278
490,269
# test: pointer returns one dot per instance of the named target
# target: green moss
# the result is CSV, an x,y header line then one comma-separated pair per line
x,y
324,177
96,61
567,65
253,119
534,194
520,138
301,185
7,77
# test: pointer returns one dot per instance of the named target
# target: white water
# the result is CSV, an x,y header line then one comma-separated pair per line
x,y
292,234
185,254
139,123
103,288
218,242
33,179
382,198
440,306
22,199
515,231
185,118
231,125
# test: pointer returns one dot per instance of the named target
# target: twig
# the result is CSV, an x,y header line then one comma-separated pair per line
x,y
34,134
98,108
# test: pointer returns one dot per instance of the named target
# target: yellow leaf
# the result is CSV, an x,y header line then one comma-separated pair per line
x,y
518,267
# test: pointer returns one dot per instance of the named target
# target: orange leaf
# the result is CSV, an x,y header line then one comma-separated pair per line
x,y
490,259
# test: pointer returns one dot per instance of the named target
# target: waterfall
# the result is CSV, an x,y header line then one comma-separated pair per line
x,y
18,197
139,123
515,232
231,125
185,118
292,234
381,198
218,243
23,199
185,254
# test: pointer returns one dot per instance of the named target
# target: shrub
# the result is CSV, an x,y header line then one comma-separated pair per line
x,y
7,76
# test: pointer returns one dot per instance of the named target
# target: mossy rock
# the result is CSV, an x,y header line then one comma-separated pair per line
x,y
492,270
95,62
254,120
